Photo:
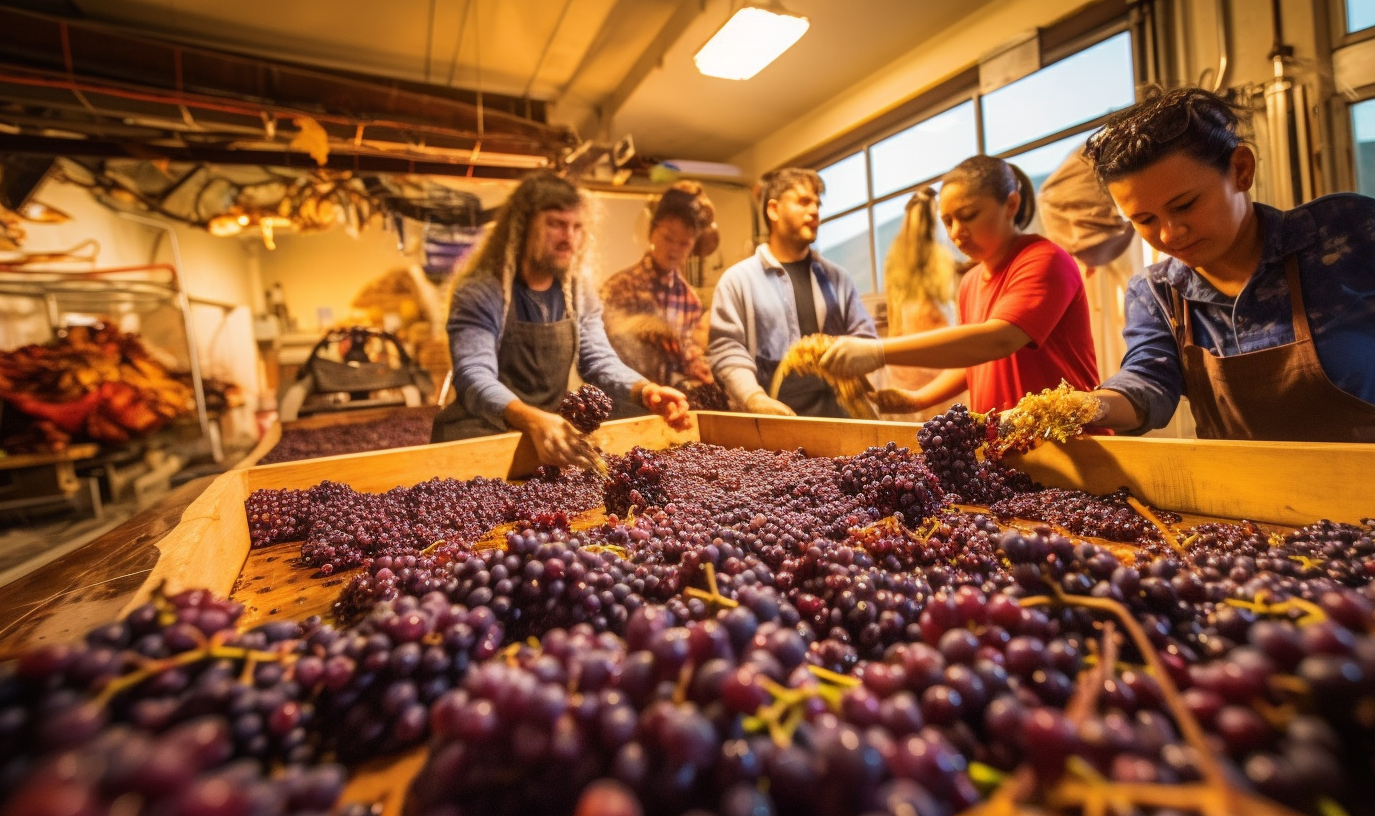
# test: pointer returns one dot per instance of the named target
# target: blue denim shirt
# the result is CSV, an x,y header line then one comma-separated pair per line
x,y
1334,237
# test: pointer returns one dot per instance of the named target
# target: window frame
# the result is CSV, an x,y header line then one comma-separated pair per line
x,y
862,140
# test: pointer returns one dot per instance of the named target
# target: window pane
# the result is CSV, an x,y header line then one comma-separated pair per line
x,y
1363,127
925,150
1041,162
888,217
1093,82
845,241
845,187
1360,14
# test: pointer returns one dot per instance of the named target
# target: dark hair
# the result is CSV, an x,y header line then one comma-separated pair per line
x,y
687,202
1188,120
535,194
775,183
994,177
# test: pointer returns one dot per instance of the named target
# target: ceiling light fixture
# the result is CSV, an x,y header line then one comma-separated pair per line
x,y
754,36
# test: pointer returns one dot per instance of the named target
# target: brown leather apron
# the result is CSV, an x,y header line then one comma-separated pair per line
x,y
1273,394
534,360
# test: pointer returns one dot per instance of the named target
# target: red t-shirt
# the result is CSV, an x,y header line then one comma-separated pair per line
x,y
1039,291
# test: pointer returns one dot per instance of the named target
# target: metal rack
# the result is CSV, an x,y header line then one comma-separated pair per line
x,y
117,290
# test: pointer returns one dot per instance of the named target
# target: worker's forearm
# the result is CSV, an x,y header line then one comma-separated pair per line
x,y
956,346
1121,414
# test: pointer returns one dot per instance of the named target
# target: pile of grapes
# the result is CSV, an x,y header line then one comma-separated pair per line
x,y
403,429
742,633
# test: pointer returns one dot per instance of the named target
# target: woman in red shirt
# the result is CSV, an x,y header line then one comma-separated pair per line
x,y
1024,316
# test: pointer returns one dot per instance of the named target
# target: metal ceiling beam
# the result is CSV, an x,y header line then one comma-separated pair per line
x,y
79,51
357,162
683,14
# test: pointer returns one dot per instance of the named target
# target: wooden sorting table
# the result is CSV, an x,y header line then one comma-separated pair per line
x,y
330,419
198,536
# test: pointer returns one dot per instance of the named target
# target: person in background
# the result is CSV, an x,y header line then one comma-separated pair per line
x,y
919,280
652,315
1024,316
524,322
780,294
1264,319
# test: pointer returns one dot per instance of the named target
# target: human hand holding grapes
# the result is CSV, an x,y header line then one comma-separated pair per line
x,y
667,403
852,357
556,441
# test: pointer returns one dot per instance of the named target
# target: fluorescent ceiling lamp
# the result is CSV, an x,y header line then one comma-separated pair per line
x,y
752,38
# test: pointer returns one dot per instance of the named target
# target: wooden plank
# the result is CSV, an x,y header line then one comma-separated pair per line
x,y
816,437
1288,483
275,585
89,586
207,548
71,454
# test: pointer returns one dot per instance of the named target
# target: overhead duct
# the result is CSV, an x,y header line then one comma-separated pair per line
x,y
101,89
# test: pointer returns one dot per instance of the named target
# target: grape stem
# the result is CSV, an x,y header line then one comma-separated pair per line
x,y
712,595
1165,532
213,650
1216,797
1188,725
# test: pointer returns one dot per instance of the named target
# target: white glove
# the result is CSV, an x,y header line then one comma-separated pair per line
x,y
761,403
852,357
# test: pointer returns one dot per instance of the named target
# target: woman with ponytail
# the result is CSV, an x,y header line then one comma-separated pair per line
x,y
1024,317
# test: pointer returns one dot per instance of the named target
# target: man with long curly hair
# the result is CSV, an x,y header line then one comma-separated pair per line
x,y
525,325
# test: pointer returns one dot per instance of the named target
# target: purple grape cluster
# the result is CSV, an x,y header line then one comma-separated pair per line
x,y
707,397
672,712
377,681
892,480
950,444
403,429
587,408
170,706
635,482
341,528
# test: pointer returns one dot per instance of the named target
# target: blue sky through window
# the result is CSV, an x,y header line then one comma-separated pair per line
x,y
1093,82
1360,15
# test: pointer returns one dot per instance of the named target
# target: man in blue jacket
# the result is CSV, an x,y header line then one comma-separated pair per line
x,y
777,296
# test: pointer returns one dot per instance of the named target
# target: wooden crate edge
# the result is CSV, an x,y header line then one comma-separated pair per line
x,y
208,547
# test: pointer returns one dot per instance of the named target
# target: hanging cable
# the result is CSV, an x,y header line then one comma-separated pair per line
x,y
547,45
458,43
429,42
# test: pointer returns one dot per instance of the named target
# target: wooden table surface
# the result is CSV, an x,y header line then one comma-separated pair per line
x,y
92,584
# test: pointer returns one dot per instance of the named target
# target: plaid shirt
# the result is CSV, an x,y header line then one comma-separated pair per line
x,y
643,291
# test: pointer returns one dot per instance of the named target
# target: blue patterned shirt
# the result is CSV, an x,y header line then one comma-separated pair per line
x,y
1334,237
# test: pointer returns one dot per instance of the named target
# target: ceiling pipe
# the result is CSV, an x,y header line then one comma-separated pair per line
x,y
83,58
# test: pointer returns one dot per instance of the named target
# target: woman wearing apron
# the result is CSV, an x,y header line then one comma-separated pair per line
x,y
1264,319
525,327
